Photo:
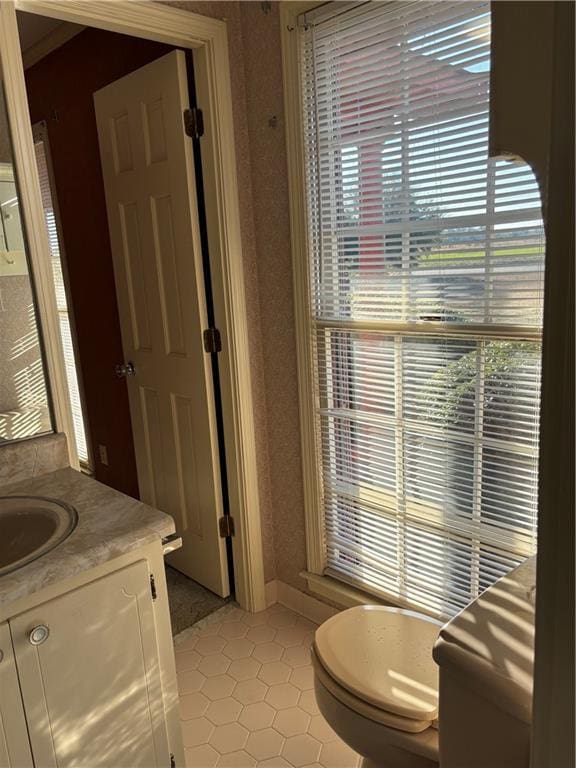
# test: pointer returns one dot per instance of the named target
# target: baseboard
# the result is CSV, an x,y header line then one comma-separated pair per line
x,y
303,604
271,593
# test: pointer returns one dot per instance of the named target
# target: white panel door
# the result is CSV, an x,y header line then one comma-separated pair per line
x,y
91,685
148,170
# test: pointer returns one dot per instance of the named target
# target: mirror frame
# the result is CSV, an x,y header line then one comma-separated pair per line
x,y
38,251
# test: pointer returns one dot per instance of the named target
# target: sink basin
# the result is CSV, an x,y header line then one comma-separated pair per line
x,y
31,526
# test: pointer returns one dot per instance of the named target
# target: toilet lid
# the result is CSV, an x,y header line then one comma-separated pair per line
x,y
383,656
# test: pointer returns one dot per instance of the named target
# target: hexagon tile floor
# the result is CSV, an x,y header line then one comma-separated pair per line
x,y
247,697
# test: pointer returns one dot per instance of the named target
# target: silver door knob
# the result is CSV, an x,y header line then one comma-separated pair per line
x,y
39,634
125,369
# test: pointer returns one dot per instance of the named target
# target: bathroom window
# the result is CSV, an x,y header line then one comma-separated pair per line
x,y
41,149
426,267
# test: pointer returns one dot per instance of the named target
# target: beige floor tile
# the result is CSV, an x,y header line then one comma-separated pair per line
x,y
224,711
246,694
336,754
186,641
320,729
193,705
201,757
282,618
233,629
261,634
300,750
257,716
274,762
244,669
303,678
229,738
240,648
274,672
289,637
190,681
297,656
217,664
196,732
307,702
267,652
209,628
292,722
255,619
187,660
209,645
218,687
239,759
250,691
282,696
265,744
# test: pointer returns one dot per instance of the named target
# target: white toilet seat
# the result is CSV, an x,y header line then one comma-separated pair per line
x,y
378,715
378,661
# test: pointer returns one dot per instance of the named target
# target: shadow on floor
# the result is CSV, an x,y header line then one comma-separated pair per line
x,y
189,602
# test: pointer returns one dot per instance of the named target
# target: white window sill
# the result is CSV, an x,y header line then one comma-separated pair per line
x,y
339,593
346,596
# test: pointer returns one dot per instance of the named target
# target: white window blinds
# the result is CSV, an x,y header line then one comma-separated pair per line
x,y
426,274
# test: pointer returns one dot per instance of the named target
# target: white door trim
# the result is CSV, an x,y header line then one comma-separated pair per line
x,y
209,39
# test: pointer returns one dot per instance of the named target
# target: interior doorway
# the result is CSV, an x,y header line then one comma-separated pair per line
x,y
208,38
148,436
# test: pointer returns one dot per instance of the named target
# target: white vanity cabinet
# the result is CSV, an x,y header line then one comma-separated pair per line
x,y
95,679
14,744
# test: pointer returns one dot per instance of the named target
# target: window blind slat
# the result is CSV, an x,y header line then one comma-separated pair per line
x,y
428,440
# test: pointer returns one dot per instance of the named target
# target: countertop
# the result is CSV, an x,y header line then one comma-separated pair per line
x,y
110,524
491,642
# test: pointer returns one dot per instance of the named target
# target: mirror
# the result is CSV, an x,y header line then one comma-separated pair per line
x,y
24,404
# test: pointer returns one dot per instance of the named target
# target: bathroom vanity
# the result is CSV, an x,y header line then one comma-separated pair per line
x,y
87,674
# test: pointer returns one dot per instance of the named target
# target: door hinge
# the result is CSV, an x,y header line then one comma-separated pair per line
x,y
153,587
226,526
194,122
212,340
172,761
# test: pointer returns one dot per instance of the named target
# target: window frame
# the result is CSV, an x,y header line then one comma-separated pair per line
x,y
307,391
316,560
311,441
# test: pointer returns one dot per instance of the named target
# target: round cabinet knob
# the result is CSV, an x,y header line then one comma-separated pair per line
x,y
39,634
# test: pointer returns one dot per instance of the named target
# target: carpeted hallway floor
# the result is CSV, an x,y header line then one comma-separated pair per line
x,y
189,602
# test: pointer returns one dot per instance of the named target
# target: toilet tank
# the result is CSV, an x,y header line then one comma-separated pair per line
x,y
486,659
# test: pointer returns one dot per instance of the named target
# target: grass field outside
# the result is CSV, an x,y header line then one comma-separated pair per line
x,y
528,250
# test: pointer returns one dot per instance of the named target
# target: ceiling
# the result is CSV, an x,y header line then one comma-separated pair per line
x,y
33,29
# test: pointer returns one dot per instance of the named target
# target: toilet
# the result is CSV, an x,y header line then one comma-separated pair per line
x,y
376,684
405,691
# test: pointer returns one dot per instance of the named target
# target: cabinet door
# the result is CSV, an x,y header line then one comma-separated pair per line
x,y
91,689
14,744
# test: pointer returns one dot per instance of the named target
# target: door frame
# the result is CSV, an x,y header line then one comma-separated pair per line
x,y
208,38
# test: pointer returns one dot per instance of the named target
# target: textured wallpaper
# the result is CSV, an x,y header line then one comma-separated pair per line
x,y
5,148
265,102
256,73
